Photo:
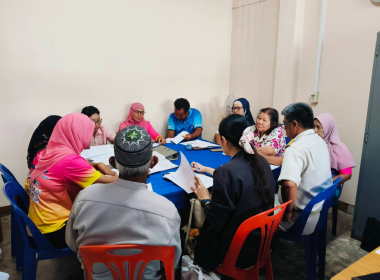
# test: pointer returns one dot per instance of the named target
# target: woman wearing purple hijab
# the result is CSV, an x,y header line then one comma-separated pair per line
x,y
341,160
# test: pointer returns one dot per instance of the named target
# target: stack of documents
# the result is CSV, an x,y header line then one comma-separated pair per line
x,y
184,177
99,153
200,144
163,164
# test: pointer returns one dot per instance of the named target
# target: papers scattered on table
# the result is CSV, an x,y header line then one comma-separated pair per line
x,y
99,153
150,187
273,167
179,137
163,165
200,144
155,145
157,154
169,140
184,177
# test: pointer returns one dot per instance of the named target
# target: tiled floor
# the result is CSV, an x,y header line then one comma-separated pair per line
x,y
288,258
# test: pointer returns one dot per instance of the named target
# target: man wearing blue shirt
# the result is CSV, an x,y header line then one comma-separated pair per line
x,y
184,118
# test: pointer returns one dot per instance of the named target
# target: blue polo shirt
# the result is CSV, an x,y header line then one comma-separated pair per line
x,y
193,121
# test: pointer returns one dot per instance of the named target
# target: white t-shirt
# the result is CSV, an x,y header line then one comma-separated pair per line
x,y
307,163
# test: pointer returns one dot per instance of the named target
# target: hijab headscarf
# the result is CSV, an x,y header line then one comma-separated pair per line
x,y
247,111
71,135
340,156
130,121
40,137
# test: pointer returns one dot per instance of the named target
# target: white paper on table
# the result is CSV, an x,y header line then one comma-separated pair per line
x,y
99,153
200,144
184,177
162,165
169,140
150,187
273,167
155,145
157,154
179,137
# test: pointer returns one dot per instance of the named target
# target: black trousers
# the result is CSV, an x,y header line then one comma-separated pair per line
x,y
57,238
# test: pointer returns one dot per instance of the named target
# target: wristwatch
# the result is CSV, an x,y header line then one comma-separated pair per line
x,y
204,201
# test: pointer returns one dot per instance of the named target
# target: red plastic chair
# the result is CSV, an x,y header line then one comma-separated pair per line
x,y
102,254
269,226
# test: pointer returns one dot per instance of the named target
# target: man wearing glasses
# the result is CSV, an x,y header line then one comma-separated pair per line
x,y
184,118
305,168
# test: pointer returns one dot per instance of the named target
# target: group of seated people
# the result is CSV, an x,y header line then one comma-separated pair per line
x,y
121,210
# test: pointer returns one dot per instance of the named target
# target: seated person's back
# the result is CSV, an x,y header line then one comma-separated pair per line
x,y
184,118
306,166
242,188
125,212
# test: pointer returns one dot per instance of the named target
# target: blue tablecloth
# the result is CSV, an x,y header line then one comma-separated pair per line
x,y
175,194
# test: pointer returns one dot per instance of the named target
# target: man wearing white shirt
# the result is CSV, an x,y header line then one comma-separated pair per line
x,y
306,166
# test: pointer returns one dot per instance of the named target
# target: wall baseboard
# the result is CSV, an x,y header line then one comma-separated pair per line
x,y
5,210
345,207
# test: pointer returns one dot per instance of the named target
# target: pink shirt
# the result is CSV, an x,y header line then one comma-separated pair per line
x,y
52,193
103,134
154,134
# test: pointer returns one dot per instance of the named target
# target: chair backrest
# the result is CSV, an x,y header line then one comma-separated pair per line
x,y
326,196
268,224
11,190
115,263
6,174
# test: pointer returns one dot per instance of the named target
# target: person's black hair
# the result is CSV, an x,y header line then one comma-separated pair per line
x,y
232,128
182,103
273,115
90,110
301,113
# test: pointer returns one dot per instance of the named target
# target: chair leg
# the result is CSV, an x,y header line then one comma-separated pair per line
x,y
30,265
20,249
13,233
268,269
334,219
322,251
310,243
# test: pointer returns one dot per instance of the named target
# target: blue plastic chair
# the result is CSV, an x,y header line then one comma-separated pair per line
x,y
36,247
334,206
16,238
315,243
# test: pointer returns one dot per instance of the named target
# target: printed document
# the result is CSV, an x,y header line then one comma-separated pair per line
x,y
184,177
99,153
200,144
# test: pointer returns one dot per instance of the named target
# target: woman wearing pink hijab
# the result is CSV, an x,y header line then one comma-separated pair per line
x,y
60,173
341,160
136,117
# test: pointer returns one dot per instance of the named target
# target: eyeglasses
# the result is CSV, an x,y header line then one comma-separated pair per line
x,y
142,113
237,108
98,121
283,124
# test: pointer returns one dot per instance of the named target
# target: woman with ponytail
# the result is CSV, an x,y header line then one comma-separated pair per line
x,y
242,188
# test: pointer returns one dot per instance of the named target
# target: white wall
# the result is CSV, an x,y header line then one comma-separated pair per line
x,y
59,56
346,69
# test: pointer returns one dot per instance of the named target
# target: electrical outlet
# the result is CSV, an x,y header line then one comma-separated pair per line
x,y
314,98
